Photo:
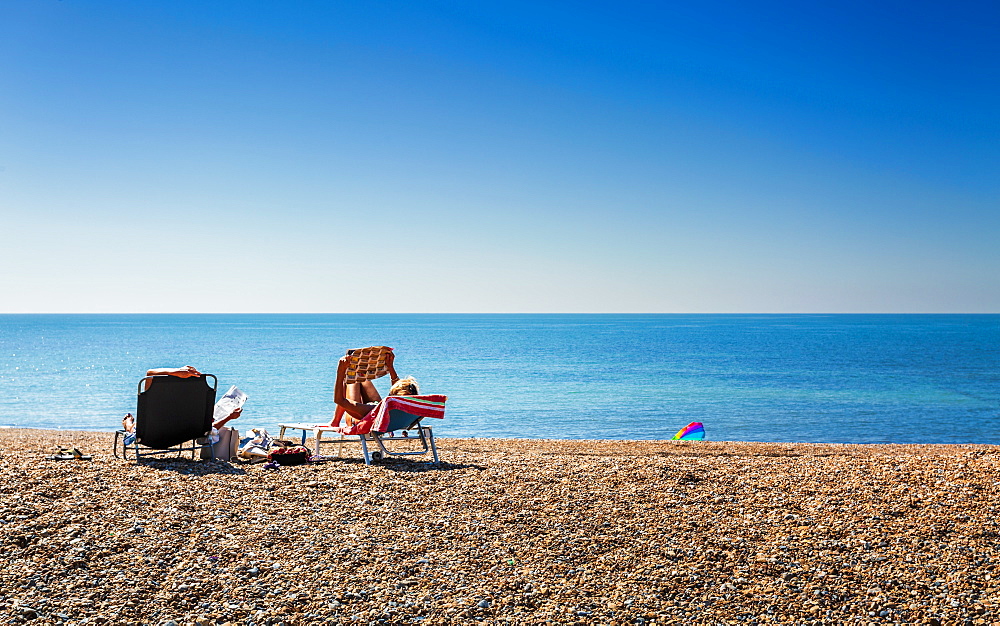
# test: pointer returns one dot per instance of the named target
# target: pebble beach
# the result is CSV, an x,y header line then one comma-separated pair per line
x,y
505,532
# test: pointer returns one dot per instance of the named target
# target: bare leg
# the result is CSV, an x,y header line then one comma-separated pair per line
x,y
362,393
128,423
355,394
370,392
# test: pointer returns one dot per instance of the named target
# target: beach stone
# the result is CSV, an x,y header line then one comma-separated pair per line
x,y
599,536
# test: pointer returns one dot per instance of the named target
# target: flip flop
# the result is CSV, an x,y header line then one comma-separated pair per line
x,y
69,454
80,456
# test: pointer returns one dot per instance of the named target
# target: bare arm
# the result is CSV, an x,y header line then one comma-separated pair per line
x,y
181,372
231,416
389,360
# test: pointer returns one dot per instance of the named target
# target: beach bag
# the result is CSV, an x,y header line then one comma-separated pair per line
x,y
289,455
229,444
224,444
256,446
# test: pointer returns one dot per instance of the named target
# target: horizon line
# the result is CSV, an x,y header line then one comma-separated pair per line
x,y
504,313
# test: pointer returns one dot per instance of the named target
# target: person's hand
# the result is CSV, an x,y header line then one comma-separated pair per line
x,y
236,413
342,368
187,372
390,358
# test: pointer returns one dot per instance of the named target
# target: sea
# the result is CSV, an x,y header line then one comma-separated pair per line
x,y
772,378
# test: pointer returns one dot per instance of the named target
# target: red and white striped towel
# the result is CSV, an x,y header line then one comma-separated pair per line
x,y
378,419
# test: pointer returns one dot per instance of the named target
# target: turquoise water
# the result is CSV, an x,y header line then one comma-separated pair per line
x,y
810,378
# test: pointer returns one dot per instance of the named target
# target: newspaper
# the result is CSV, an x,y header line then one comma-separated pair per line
x,y
228,403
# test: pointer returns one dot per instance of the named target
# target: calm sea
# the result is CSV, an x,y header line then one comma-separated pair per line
x,y
809,378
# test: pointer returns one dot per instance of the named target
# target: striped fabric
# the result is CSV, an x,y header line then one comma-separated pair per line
x,y
378,419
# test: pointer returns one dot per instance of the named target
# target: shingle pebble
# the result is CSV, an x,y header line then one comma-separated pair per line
x,y
506,531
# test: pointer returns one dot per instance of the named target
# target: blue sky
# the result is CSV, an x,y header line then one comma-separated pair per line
x,y
499,156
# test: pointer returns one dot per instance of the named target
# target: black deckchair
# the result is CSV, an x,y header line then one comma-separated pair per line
x,y
170,415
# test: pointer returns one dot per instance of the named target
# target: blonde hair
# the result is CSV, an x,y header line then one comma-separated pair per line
x,y
404,387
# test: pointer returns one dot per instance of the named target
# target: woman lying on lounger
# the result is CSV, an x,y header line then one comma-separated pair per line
x,y
357,400
188,371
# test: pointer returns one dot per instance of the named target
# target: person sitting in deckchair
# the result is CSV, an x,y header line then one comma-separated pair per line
x,y
356,400
188,371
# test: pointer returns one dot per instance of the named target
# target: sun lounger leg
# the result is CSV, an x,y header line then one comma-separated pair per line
x,y
430,435
381,445
319,441
364,450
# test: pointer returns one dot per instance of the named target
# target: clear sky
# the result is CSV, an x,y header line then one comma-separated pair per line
x,y
456,156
